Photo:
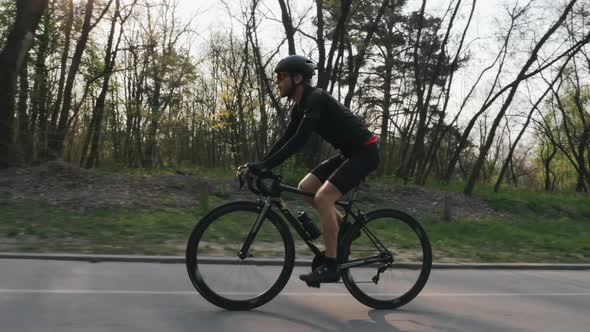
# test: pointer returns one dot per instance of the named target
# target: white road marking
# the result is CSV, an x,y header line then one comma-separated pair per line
x,y
293,294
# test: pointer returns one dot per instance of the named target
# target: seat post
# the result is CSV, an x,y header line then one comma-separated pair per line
x,y
356,189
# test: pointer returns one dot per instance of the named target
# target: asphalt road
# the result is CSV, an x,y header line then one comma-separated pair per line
x,y
39,295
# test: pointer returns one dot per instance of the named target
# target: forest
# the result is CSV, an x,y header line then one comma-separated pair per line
x,y
138,84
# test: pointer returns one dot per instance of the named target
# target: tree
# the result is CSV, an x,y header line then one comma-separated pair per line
x,y
109,65
58,136
12,57
567,127
522,75
441,130
168,67
535,106
39,113
389,44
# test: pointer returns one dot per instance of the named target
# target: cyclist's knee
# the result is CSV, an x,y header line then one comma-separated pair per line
x,y
310,183
310,200
303,186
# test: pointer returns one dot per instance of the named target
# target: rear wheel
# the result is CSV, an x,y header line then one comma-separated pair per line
x,y
401,259
223,278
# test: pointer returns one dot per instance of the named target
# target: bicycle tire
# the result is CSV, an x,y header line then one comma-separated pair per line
x,y
399,299
194,267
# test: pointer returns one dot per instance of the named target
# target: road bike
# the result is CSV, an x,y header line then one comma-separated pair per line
x,y
241,254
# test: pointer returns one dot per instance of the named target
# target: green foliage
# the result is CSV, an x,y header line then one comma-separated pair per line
x,y
7,16
562,129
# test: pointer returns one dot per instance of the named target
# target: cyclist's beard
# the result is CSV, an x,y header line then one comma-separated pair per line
x,y
285,91
292,89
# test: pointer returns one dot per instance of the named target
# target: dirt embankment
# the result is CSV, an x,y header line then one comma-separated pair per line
x,y
60,184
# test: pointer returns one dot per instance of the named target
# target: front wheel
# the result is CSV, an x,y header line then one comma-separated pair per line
x,y
389,263
227,280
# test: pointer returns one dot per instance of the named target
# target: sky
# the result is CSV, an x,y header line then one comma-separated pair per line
x,y
212,15
214,12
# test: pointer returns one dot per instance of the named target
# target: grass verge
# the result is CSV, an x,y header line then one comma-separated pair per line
x,y
38,227
531,227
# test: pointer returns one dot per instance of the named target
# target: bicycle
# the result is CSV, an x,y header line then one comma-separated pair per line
x,y
260,238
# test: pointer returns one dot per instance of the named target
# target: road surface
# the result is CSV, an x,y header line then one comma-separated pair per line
x,y
40,295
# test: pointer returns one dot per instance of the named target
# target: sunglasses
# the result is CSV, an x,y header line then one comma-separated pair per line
x,y
281,76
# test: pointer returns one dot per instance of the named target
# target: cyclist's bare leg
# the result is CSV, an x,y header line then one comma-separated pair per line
x,y
324,201
312,183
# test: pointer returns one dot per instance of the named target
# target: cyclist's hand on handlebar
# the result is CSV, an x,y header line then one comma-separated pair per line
x,y
257,168
248,172
243,173
240,170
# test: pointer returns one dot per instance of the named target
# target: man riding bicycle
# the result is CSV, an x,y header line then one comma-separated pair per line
x,y
317,111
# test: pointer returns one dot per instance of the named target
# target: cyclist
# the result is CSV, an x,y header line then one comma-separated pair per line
x,y
317,111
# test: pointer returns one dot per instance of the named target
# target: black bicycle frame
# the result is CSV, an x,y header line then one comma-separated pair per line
x,y
273,198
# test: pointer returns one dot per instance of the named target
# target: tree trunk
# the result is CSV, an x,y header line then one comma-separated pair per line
x,y
288,24
52,134
155,107
547,168
584,177
39,112
263,132
386,105
109,60
320,38
324,76
24,136
418,149
56,145
18,43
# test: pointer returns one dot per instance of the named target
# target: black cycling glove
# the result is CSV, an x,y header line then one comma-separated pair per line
x,y
257,167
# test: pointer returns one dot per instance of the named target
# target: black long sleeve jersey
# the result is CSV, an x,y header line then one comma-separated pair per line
x,y
319,112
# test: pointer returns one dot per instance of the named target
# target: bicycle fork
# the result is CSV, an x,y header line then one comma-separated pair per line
x,y
243,254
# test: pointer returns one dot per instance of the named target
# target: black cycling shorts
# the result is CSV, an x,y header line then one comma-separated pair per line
x,y
347,173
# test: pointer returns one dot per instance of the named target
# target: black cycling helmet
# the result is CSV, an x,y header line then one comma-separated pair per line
x,y
297,64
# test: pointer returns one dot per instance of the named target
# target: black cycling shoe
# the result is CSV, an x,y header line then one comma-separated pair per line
x,y
324,273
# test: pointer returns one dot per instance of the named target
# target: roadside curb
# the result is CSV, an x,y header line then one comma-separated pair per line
x,y
299,262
